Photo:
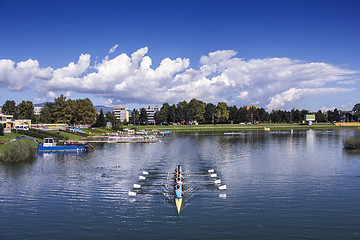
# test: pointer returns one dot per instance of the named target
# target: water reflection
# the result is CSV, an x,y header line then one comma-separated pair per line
x,y
301,180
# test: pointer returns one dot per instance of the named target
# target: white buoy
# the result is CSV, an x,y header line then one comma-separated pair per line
x,y
145,173
132,193
142,177
223,187
213,175
136,185
211,170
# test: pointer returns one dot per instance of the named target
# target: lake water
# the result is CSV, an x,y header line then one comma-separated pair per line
x,y
280,185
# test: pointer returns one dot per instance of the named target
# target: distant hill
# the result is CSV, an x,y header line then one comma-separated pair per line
x,y
104,109
40,104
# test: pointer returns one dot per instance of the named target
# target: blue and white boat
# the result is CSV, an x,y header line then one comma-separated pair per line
x,y
49,145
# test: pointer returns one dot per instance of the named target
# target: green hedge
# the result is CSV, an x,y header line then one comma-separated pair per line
x,y
75,133
40,134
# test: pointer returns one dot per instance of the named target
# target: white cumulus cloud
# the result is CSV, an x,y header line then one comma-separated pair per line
x,y
221,76
18,76
293,94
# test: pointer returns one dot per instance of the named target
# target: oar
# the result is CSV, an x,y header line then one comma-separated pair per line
x,y
205,175
144,178
133,194
216,181
156,185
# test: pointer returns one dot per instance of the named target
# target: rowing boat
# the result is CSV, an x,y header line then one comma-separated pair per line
x,y
178,200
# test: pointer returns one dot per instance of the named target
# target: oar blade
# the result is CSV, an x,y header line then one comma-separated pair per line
x,y
211,170
133,194
223,187
136,185
213,175
142,177
145,173
217,181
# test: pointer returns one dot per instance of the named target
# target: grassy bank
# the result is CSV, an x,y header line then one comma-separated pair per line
x,y
352,143
21,150
238,127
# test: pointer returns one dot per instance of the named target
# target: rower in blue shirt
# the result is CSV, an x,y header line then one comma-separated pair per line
x,y
178,169
178,191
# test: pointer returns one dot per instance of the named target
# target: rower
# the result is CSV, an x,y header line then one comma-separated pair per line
x,y
178,192
178,169
179,181
179,178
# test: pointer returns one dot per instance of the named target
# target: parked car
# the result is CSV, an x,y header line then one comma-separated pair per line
x,y
22,127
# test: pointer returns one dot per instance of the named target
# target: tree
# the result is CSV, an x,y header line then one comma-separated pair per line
x,y
110,117
100,120
172,115
336,115
330,117
222,112
158,117
196,110
143,118
45,116
209,114
183,111
232,114
58,114
320,116
82,111
263,115
1,129
9,108
242,115
356,110
135,116
163,115
26,110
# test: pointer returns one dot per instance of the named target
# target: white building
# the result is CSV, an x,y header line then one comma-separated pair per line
x,y
37,111
151,110
7,121
121,113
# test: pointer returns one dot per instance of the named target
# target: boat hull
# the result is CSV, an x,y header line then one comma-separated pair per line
x,y
178,203
65,148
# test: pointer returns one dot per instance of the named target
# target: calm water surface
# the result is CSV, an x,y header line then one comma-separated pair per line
x,y
280,185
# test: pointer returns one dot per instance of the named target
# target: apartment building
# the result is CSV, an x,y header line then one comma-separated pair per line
x,y
151,110
121,113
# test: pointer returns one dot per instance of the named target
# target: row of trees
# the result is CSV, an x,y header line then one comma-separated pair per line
x,y
62,110
24,110
201,112
82,111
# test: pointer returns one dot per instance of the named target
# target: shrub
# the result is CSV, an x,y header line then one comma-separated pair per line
x,y
18,151
1,129
117,128
352,143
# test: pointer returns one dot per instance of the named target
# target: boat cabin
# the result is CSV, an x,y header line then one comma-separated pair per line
x,y
49,142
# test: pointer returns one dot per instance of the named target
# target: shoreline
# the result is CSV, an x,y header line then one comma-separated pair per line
x,y
239,128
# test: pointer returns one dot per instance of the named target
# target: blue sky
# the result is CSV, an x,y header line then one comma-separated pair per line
x,y
274,54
